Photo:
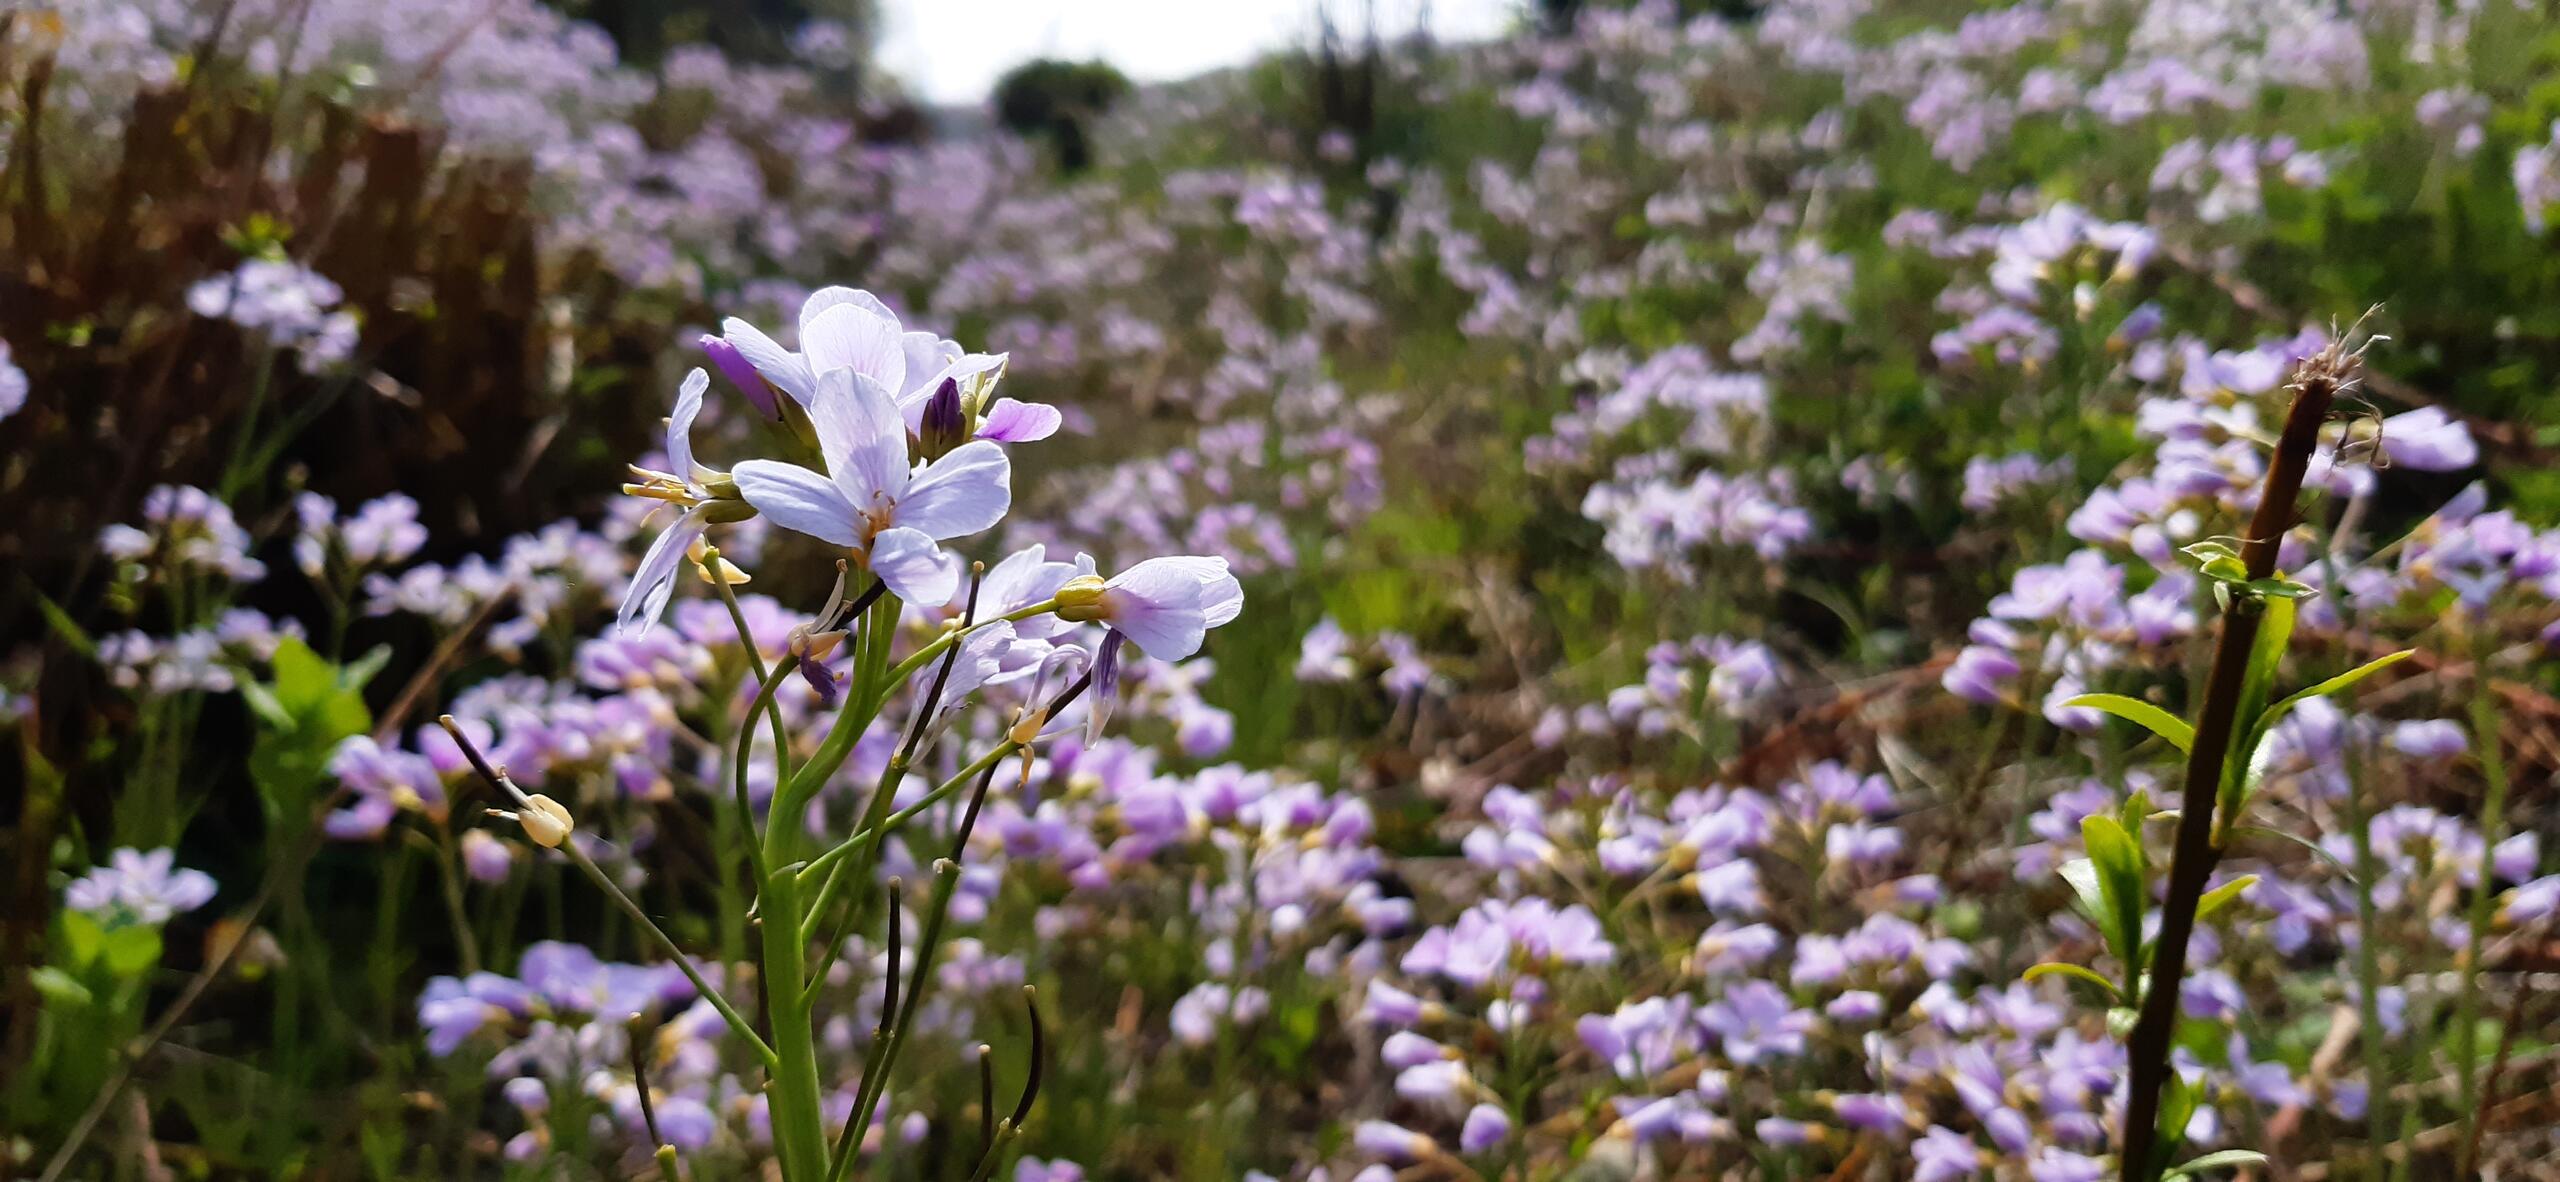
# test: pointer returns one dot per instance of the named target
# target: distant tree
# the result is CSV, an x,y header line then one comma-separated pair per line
x,y
1558,16
751,30
1056,101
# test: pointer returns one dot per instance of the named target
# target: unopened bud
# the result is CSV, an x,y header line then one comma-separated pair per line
x,y
1080,599
946,421
742,374
545,820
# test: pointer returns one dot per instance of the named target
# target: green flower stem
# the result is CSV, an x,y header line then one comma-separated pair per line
x,y
824,868
799,1128
498,779
2493,829
767,683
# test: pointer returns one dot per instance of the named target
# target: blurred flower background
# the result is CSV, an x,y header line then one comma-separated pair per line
x,y
1686,467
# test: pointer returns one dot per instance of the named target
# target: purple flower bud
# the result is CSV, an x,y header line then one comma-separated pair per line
x,y
1978,672
1391,1005
2515,858
1857,1005
1873,1112
1405,1049
1778,1130
2534,901
734,366
528,1094
1395,1142
1486,1127
485,858
2434,738
1438,1079
946,421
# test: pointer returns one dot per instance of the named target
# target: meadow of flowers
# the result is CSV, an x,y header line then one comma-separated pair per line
x,y
1856,589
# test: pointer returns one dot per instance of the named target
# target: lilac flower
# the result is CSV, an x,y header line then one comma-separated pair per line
x,y
1944,1155
845,328
139,888
452,1010
1757,1021
2433,738
1978,672
1325,653
2427,440
1032,1169
1487,1126
385,783
869,501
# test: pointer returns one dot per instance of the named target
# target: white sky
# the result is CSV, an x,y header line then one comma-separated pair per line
x,y
952,51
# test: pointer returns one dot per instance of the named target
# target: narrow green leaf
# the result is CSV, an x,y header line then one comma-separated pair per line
x,y
2143,714
262,702
360,672
2221,896
64,626
2334,684
2226,1159
2275,631
2282,588
59,988
2297,839
2081,973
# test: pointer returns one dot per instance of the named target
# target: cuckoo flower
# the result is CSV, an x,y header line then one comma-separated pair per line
x,y
841,328
870,501
684,487
1166,605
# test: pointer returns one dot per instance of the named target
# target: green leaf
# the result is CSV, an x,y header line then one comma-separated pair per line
x,y
2221,896
2281,589
262,702
304,681
2248,767
2118,858
2298,839
2143,714
59,988
2082,876
361,672
2177,1110
2225,1159
2275,631
133,950
2081,973
2334,684
82,938
306,711
64,626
